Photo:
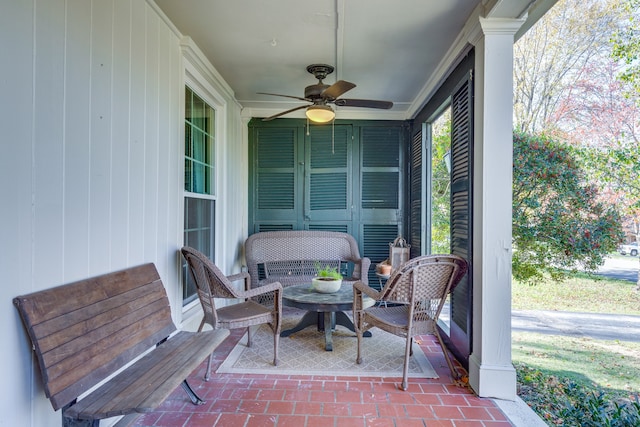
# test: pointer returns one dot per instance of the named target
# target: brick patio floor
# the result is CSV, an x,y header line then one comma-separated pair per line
x,y
236,400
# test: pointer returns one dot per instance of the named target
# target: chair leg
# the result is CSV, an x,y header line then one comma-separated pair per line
x,y
276,340
405,369
248,336
357,326
445,351
207,374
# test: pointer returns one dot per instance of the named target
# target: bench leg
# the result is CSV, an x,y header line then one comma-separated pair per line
x,y
75,422
195,399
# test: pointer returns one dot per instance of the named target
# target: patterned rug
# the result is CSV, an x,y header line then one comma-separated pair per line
x,y
303,353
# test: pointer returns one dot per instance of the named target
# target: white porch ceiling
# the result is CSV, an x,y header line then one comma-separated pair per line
x,y
391,49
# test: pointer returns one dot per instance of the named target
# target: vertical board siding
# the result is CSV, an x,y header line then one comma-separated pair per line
x,y
121,122
48,158
137,142
101,36
92,159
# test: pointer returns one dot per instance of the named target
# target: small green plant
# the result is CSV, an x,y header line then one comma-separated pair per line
x,y
328,271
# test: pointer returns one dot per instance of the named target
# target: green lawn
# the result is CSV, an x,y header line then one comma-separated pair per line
x,y
576,380
581,294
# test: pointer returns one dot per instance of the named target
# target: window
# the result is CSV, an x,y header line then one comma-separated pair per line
x,y
199,183
441,183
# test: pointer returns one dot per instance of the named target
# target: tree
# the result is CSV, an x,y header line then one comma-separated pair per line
x,y
441,184
553,54
626,45
559,224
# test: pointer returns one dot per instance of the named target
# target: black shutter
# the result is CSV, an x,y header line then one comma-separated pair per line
x,y
461,219
415,195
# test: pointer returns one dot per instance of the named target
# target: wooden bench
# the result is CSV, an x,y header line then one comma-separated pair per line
x,y
83,332
290,257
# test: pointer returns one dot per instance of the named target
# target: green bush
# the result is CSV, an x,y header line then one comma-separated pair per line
x,y
561,401
560,223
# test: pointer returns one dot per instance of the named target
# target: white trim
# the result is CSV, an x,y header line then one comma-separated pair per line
x,y
203,80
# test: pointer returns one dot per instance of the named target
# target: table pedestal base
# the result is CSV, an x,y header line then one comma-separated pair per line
x,y
322,319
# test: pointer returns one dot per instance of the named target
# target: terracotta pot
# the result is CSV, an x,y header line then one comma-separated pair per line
x,y
384,269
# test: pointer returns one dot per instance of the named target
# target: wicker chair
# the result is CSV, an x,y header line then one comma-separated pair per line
x,y
211,283
410,302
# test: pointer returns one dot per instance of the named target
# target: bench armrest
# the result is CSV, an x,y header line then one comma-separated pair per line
x,y
361,268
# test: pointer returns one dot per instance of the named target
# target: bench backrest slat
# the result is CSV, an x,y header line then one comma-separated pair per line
x,y
84,331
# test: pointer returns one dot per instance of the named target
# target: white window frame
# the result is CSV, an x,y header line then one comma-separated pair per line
x,y
194,78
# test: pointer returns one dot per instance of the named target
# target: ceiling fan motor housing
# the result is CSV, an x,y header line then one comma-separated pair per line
x,y
313,92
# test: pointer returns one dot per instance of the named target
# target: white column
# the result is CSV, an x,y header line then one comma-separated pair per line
x,y
491,373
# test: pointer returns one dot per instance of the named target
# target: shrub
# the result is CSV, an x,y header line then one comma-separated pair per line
x,y
561,401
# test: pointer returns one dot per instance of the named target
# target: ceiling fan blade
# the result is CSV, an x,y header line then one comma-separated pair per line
x,y
337,89
275,116
286,96
367,103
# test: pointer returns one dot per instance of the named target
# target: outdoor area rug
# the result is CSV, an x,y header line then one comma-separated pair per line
x,y
303,353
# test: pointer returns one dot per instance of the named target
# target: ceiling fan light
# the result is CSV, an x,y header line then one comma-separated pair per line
x,y
320,113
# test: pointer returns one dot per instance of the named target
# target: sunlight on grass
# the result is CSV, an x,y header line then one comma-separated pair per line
x,y
566,378
613,365
581,294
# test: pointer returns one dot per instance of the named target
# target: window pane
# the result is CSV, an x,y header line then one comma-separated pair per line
x,y
199,111
199,178
187,104
199,233
440,183
199,146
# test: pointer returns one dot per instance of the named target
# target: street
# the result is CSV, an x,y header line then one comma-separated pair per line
x,y
621,268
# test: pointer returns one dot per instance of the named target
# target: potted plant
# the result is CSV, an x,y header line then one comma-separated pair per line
x,y
328,279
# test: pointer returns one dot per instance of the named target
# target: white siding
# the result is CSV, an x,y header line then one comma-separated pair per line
x,y
91,163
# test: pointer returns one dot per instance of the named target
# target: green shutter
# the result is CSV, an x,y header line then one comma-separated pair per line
x,y
276,169
415,195
461,204
328,177
347,177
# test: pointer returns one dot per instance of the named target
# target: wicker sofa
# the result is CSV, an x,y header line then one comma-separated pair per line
x,y
290,257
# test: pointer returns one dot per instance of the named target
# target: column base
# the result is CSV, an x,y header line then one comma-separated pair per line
x,y
497,381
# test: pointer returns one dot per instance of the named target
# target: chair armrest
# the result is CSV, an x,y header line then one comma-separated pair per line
x,y
241,276
261,290
360,288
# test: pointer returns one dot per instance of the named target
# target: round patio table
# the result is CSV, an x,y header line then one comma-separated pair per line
x,y
324,310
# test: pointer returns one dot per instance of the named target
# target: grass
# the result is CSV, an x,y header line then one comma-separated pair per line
x,y
577,380
582,293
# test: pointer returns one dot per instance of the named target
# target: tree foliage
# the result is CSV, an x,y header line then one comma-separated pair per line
x,y
559,224
553,55
441,185
626,46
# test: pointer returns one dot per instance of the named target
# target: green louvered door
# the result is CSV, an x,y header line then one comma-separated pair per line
x,y
382,184
328,181
348,177
276,182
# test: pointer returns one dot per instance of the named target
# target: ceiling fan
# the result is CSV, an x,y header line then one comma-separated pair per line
x,y
321,95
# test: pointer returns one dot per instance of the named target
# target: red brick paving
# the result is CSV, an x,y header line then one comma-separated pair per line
x,y
236,400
